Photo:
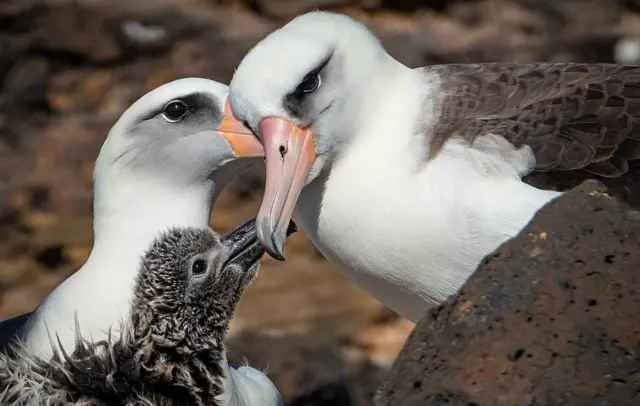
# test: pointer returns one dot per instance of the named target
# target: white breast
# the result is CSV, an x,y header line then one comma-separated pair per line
x,y
413,243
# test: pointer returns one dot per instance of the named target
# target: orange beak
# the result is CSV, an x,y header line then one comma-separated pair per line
x,y
289,154
241,139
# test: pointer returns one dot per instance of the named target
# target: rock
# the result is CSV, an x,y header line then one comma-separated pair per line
x,y
551,318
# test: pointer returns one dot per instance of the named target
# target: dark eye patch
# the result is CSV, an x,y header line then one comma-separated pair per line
x,y
294,102
198,105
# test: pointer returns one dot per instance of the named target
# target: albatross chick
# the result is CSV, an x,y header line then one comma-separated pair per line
x,y
171,351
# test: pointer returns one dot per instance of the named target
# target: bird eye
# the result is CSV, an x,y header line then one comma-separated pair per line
x,y
199,267
175,111
310,83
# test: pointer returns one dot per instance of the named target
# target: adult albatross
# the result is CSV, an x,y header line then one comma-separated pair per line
x,y
162,165
406,178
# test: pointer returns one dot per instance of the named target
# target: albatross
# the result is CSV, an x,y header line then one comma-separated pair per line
x,y
162,165
405,179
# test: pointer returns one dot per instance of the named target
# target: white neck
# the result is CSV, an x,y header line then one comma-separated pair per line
x,y
128,215
138,210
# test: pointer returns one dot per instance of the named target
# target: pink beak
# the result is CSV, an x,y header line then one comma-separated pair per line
x,y
289,154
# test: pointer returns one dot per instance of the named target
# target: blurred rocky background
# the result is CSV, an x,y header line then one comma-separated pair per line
x,y
69,68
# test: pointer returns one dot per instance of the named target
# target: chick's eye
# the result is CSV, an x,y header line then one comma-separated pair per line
x,y
310,83
175,111
199,267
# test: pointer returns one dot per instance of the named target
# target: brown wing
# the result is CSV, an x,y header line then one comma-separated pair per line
x,y
573,116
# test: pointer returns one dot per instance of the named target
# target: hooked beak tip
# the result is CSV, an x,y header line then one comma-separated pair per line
x,y
272,239
275,252
273,246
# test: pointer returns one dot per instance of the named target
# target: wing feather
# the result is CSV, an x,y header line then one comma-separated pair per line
x,y
572,115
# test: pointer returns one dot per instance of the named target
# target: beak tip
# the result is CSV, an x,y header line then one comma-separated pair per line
x,y
274,249
270,239
276,255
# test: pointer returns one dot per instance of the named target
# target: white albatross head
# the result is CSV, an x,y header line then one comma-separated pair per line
x,y
181,134
299,90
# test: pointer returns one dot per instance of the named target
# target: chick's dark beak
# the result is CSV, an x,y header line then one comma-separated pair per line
x,y
244,246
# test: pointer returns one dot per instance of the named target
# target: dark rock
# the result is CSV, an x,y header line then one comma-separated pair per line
x,y
551,318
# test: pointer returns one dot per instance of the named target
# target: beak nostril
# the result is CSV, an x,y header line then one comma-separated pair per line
x,y
283,150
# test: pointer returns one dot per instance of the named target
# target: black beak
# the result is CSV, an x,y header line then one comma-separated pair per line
x,y
244,245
